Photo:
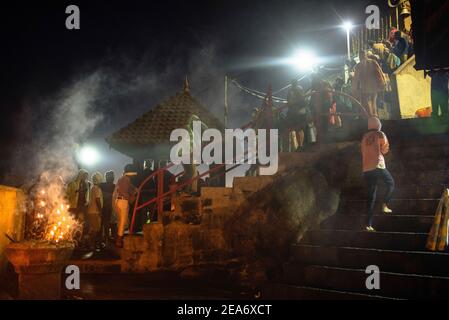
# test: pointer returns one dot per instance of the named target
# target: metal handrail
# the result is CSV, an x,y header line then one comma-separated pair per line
x,y
160,195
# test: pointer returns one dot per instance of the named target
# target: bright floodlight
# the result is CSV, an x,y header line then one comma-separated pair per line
x,y
304,60
88,156
347,25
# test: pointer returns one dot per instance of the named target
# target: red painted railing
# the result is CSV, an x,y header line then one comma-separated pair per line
x,y
159,174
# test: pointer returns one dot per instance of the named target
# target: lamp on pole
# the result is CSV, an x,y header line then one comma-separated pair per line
x,y
348,27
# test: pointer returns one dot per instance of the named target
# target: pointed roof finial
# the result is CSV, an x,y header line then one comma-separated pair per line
x,y
186,85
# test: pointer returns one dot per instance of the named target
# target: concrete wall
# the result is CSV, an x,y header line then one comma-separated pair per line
x,y
413,90
12,219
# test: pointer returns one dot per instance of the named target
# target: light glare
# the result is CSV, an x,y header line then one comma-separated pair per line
x,y
347,25
304,60
88,156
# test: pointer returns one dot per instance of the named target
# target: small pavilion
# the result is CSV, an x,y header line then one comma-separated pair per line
x,y
148,137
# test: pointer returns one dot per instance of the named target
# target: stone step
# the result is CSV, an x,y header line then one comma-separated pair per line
x,y
382,222
396,213
400,205
283,291
409,262
98,266
416,128
420,132
354,280
160,285
411,191
427,177
417,164
420,151
401,140
404,241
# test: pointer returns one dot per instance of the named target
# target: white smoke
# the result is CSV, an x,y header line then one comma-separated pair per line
x,y
52,129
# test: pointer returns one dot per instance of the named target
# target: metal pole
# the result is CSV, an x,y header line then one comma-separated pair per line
x,y
226,103
397,18
363,39
348,43
353,45
359,45
390,22
160,192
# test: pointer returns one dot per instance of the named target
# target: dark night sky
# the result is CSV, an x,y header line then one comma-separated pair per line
x,y
40,56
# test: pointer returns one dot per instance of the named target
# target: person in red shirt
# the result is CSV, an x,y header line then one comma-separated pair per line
x,y
373,147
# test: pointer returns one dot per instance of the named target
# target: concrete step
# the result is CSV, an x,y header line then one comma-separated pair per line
x,y
416,129
412,191
409,262
382,222
401,140
397,212
417,164
283,291
354,280
161,285
403,241
98,266
400,205
420,151
427,177
92,262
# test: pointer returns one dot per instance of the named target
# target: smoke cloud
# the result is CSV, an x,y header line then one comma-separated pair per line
x,y
51,129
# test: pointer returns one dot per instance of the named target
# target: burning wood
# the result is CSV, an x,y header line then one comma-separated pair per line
x,y
61,225
49,218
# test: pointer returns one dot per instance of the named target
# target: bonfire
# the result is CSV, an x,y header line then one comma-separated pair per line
x,y
48,217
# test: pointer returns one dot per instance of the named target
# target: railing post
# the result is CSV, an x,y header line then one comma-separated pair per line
x,y
160,192
136,203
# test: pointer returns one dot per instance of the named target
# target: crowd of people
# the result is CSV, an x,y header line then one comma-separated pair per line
x,y
309,114
92,203
105,207
312,113
369,79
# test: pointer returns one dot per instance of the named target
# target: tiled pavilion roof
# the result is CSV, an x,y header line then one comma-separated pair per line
x,y
155,126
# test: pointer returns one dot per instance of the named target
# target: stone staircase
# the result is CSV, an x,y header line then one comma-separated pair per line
x,y
330,262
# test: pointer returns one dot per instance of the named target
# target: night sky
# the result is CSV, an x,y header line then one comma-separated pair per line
x,y
146,48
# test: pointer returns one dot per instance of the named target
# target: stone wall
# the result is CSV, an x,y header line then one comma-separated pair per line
x,y
12,221
250,226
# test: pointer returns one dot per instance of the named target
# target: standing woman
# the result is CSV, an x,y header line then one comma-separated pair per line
x,y
368,81
374,146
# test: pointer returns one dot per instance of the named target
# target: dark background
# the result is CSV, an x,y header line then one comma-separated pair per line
x,y
159,42
431,33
